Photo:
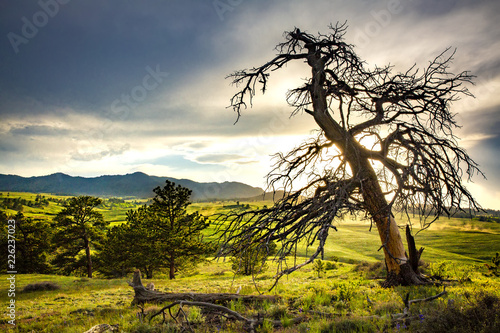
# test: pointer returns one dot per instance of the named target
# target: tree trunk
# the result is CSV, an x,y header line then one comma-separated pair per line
x,y
399,269
149,272
392,243
172,267
89,260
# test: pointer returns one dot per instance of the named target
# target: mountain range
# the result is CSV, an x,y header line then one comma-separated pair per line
x,y
137,184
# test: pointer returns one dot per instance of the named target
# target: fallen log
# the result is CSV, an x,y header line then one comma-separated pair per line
x,y
145,295
250,324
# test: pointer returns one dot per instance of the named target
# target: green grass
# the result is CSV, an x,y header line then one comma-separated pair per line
x,y
82,303
338,301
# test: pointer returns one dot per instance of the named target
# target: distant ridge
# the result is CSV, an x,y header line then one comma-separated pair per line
x,y
136,184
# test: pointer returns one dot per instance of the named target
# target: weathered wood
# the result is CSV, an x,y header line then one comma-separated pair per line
x,y
428,299
250,324
102,328
144,295
412,249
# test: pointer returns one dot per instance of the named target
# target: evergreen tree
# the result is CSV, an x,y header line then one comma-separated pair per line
x,y
32,243
178,232
161,235
78,227
130,245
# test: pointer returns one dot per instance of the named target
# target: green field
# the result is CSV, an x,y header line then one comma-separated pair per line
x,y
335,301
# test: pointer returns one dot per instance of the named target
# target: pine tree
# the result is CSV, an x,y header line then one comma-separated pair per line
x,y
159,236
78,227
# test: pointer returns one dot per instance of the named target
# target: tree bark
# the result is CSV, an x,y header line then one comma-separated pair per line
x,y
144,295
399,270
414,255
89,260
172,267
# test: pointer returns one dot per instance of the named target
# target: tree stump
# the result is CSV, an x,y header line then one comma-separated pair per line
x,y
414,255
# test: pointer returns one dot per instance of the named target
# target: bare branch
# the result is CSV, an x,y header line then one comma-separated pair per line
x,y
414,163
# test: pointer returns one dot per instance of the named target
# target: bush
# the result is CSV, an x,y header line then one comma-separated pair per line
x,y
348,326
345,290
482,315
439,270
250,259
371,270
330,266
494,269
463,273
318,267
41,286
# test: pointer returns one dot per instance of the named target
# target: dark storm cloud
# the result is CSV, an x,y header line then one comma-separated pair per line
x,y
91,52
486,152
442,7
39,130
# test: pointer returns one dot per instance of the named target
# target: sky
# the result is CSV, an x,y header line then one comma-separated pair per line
x,y
106,87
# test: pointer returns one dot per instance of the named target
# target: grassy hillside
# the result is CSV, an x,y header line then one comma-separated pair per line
x,y
338,299
457,239
114,212
345,298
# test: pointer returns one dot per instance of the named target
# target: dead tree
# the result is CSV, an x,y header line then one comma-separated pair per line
x,y
145,295
385,142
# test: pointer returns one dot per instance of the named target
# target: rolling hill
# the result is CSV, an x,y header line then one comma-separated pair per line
x,y
137,184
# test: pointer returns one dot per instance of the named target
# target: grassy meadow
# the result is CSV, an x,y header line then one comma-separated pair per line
x,y
344,297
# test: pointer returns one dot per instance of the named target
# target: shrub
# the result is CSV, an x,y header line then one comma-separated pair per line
x,y
482,315
463,273
439,270
319,267
345,291
348,326
371,270
267,327
250,259
494,269
330,266
41,286
195,316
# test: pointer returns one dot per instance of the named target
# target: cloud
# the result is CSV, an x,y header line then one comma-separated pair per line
x,y
222,158
484,121
92,156
195,145
39,130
